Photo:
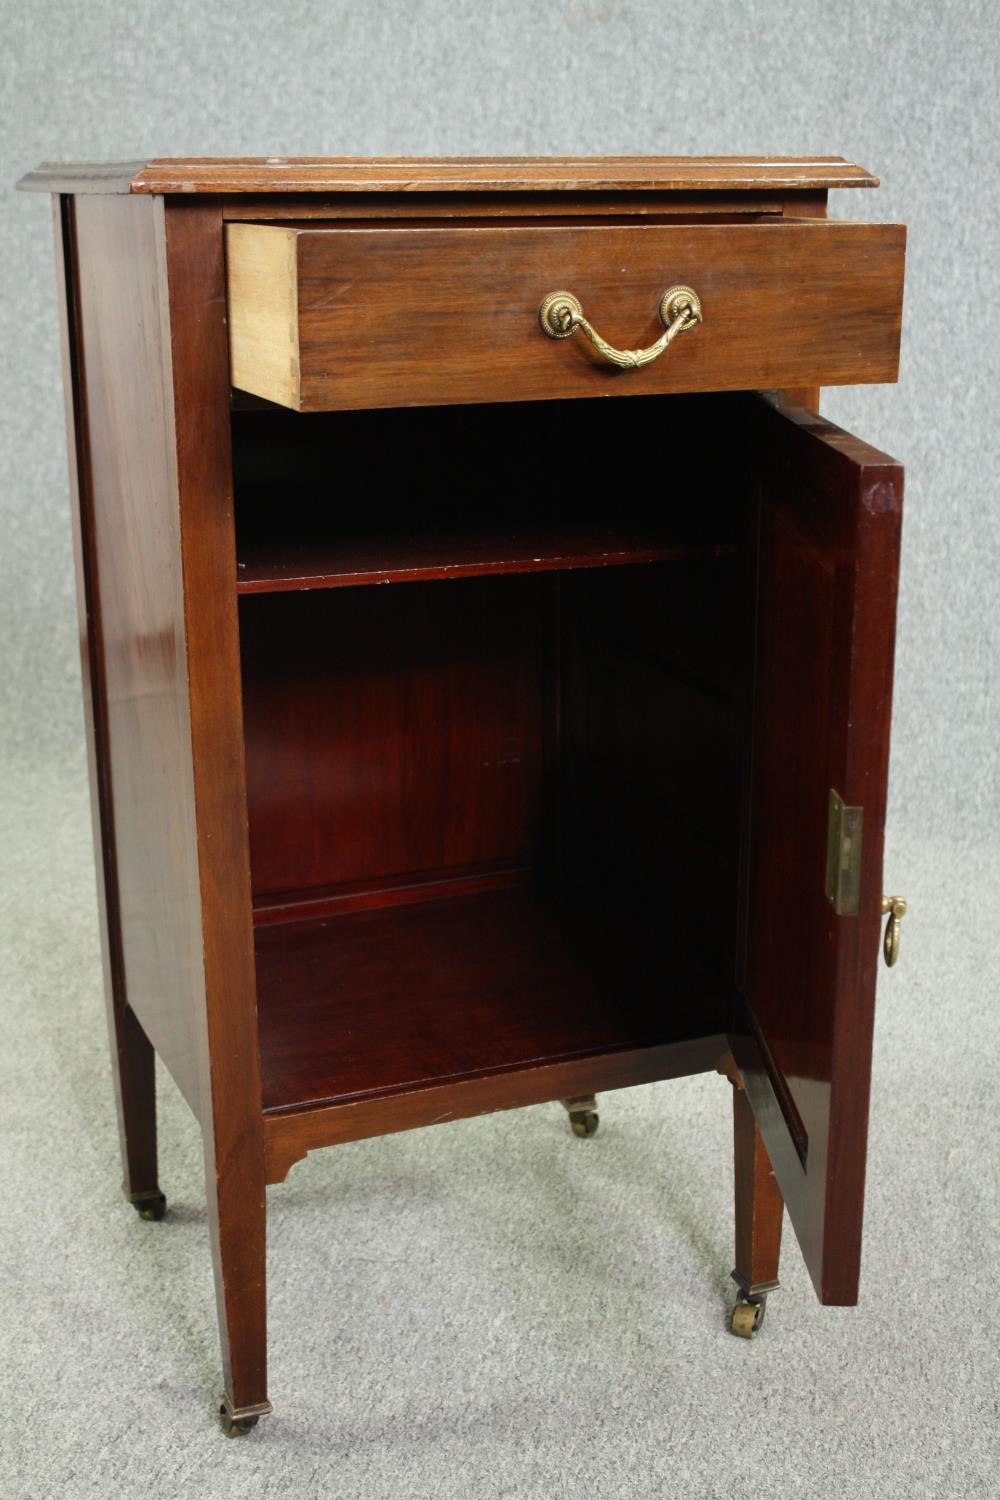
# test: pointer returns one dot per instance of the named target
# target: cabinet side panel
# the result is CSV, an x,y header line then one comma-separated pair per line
x,y
132,1062
127,478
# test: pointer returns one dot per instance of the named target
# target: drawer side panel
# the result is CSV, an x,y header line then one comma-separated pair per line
x,y
262,279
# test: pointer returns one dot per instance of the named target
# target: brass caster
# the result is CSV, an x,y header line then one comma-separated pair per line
x,y
583,1116
748,1316
584,1122
236,1426
152,1208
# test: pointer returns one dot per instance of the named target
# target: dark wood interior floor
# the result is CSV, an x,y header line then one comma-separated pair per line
x,y
383,1000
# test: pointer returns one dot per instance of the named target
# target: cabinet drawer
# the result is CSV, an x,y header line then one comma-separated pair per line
x,y
344,317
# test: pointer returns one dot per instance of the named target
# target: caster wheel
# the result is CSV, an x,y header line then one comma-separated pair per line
x,y
584,1122
151,1208
236,1426
747,1318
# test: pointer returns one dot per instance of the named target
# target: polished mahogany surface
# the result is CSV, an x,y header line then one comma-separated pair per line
x,y
146,365
289,1135
547,821
410,556
426,174
446,730
391,999
393,731
133,611
828,554
366,316
232,1130
460,792
760,1208
453,498
132,1053
468,730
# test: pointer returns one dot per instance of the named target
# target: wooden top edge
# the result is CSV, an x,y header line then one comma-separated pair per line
x,y
81,177
424,174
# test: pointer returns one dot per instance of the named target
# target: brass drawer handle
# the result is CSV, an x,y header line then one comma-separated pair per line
x,y
893,907
680,309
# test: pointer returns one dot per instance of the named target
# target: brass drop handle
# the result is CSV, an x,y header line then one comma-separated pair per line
x,y
893,907
680,309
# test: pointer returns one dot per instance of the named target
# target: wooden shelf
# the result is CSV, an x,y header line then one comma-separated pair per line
x,y
444,493
276,566
385,1001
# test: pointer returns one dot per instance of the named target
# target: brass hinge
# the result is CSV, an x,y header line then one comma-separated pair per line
x,y
843,855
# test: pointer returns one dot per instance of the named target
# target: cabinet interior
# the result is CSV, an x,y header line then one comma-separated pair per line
x,y
494,663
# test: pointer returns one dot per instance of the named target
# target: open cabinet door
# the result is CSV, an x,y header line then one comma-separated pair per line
x,y
828,526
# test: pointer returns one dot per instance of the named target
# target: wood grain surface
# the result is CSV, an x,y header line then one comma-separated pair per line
x,y
715,203
393,731
759,1206
828,557
512,831
192,266
149,375
415,174
132,1054
397,316
291,1135
133,598
390,999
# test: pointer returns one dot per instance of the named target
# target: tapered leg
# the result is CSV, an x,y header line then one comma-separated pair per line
x,y
759,1212
190,245
237,1221
133,1065
759,1205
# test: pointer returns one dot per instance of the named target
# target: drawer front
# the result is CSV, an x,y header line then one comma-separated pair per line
x,y
337,318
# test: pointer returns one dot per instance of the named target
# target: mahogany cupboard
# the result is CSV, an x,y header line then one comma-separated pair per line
x,y
460,741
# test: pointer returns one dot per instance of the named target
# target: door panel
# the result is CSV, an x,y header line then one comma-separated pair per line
x,y
828,525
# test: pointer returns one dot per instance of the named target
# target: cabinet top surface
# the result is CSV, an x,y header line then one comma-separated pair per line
x,y
425,174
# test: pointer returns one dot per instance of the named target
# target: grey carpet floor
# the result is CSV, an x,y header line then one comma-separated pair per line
x,y
493,1308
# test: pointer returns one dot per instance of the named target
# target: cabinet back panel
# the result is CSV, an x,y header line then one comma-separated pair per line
x,y
395,731
652,746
